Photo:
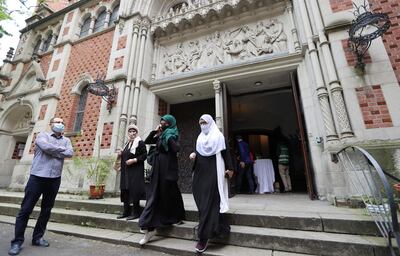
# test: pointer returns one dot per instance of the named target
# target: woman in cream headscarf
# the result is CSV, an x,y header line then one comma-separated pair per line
x,y
132,178
210,187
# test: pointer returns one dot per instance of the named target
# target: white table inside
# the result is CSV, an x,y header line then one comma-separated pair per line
x,y
264,170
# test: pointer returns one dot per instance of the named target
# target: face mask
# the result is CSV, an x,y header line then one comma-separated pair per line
x,y
164,127
57,127
205,128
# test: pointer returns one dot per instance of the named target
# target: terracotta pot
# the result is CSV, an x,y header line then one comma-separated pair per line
x,y
96,191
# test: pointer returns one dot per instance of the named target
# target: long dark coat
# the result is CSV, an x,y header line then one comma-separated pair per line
x,y
132,176
164,203
206,195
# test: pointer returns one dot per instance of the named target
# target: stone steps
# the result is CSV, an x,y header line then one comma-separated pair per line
x,y
327,222
247,237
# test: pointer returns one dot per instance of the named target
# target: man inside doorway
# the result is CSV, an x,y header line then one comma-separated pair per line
x,y
245,167
283,161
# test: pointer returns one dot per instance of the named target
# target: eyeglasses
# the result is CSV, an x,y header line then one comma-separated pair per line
x,y
57,122
202,122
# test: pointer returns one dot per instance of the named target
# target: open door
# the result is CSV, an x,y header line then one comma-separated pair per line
x,y
303,141
227,131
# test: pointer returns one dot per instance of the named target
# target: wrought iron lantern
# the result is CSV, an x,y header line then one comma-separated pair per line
x,y
108,94
366,27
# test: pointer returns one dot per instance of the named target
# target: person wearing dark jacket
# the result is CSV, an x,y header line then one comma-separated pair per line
x,y
132,174
164,203
212,165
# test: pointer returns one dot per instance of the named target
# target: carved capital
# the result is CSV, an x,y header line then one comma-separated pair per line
x,y
217,86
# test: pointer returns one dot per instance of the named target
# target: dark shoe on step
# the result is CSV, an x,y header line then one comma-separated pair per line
x,y
122,216
202,245
132,217
15,249
41,242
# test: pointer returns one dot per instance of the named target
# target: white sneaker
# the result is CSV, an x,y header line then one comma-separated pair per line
x,y
147,236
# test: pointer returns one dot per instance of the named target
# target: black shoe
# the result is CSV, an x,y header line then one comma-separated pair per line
x,y
41,242
132,217
122,216
15,249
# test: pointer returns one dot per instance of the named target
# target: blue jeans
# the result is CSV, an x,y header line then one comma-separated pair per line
x,y
36,186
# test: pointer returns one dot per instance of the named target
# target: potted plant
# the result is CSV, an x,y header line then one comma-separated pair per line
x,y
97,171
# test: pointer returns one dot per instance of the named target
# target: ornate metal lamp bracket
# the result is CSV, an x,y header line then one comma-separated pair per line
x,y
366,27
99,88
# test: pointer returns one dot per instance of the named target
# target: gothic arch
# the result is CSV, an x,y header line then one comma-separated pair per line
x,y
18,116
85,79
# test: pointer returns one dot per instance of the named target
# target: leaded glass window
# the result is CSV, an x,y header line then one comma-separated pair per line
x,y
81,110
85,27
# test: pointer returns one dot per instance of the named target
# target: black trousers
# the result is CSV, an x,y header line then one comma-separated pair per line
x,y
36,186
246,173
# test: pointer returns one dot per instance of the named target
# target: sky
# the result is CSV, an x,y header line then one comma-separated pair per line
x,y
14,26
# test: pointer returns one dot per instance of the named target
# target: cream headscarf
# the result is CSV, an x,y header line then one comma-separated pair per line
x,y
210,142
135,142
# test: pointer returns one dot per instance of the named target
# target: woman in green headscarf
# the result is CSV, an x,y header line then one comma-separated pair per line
x,y
164,204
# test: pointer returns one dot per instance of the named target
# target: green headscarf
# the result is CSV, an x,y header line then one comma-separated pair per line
x,y
170,132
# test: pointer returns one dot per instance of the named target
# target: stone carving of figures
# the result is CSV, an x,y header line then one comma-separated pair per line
x,y
179,60
278,36
195,54
249,40
265,46
212,51
25,121
169,64
235,49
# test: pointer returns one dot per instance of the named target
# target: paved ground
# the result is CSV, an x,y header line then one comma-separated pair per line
x,y
62,245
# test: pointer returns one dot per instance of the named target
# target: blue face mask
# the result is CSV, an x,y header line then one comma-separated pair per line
x,y
57,127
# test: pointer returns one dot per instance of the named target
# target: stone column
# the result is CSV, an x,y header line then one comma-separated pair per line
x,y
53,41
107,20
127,88
322,91
91,27
218,103
333,80
155,60
295,36
40,50
136,89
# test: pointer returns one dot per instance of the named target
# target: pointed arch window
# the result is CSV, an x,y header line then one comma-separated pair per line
x,y
101,19
81,110
85,27
114,15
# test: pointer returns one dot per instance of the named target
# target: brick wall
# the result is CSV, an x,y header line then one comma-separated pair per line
x,y
45,63
373,106
32,148
42,112
341,5
106,135
121,42
87,57
392,37
351,57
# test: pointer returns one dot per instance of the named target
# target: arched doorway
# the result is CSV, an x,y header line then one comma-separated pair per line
x,y
15,128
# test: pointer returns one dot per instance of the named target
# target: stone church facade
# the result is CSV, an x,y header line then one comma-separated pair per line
x,y
188,57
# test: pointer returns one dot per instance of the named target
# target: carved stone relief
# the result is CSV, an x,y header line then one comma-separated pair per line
x,y
25,121
237,44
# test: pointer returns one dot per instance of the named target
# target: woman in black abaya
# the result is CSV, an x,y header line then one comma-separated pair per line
x,y
164,204
210,188
132,178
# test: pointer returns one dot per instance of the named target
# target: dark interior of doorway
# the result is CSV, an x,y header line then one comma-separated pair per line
x,y
264,119
187,116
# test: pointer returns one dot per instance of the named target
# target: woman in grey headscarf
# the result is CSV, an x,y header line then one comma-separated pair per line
x,y
210,187
132,174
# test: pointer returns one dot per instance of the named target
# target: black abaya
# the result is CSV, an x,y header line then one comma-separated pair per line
x,y
164,204
206,195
